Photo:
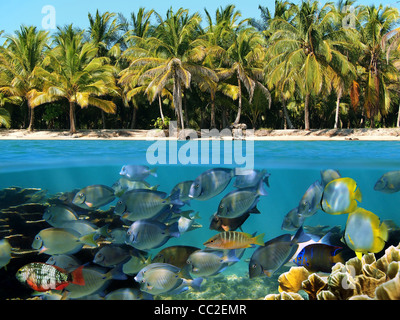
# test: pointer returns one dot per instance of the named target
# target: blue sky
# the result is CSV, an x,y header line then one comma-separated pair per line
x,y
29,12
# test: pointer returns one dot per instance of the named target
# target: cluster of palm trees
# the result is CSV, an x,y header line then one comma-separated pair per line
x,y
307,65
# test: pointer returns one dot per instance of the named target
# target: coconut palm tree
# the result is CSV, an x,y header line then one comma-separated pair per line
x,y
22,55
245,58
171,59
377,33
310,47
77,74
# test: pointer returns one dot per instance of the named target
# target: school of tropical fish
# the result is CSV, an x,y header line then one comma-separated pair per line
x,y
149,218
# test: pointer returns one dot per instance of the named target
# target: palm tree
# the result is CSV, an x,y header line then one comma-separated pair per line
x,y
23,54
245,57
104,32
170,60
307,46
77,75
377,33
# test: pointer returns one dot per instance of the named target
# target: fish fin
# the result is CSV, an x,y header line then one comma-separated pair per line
x,y
254,210
153,172
326,239
174,198
259,239
358,195
77,276
173,230
266,179
117,273
103,231
89,204
62,286
154,188
89,239
196,283
384,232
230,256
226,228
261,190
359,254
300,236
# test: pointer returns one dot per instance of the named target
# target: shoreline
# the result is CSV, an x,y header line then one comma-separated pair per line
x,y
380,134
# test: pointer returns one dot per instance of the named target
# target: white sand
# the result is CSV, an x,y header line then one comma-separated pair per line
x,y
392,134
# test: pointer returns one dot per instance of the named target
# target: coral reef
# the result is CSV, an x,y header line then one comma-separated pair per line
x,y
365,279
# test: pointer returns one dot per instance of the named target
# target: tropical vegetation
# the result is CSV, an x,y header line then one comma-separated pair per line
x,y
301,65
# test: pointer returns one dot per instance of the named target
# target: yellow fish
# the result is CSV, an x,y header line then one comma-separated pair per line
x,y
234,240
364,232
340,196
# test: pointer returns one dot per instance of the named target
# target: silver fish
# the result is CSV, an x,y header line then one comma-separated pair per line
x,y
56,215
96,280
144,204
111,255
210,183
159,278
209,262
61,241
388,182
310,203
93,197
274,254
137,172
64,261
251,178
150,234
328,175
124,184
5,253
292,220
240,201
184,189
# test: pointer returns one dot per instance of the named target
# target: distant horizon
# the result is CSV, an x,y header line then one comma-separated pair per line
x,y
28,12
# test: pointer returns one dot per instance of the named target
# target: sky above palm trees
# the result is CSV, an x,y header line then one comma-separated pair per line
x,y
28,12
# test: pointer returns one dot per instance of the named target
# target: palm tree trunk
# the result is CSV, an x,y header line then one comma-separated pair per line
x,y
103,119
213,125
339,95
240,103
72,128
185,109
161,112
287,121
177,95
32,118
306,113
398,118
133,120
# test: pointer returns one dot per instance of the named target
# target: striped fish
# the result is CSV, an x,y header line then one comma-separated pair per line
x,y
42,277
234,240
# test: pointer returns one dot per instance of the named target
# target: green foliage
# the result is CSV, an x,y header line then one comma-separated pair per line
x,y
291,68
159,124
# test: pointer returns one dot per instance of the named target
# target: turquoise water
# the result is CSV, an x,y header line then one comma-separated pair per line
x,y
61,166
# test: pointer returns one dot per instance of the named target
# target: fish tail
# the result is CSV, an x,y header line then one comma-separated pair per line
x,y
153,172
259,239
103,231
196,283
358,195
174,230
89,239
117,273
77,276
174,198
261,190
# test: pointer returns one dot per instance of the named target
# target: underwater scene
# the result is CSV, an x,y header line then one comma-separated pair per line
x,y
190,220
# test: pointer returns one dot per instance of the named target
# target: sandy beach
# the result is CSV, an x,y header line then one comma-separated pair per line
x,y
392,134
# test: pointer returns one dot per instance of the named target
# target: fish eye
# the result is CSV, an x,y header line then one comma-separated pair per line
x,y
81,194
37,238
254,266
221,206
197,186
